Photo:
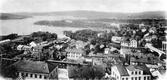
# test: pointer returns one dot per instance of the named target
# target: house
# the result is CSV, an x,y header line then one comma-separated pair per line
x,y
131,43
24,47
116,39
35,69
19,47
63,74
33,44
107,51
125,43
80,44
77,44
157,73
130,72
152,30
156,70
74,53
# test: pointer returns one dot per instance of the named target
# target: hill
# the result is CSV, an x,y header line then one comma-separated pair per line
x,y
7,16
96,14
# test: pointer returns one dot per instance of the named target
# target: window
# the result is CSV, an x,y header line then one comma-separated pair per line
x,y
22,74
139,72
135,78
26,74
122,78
136,72
126,78
132,72
132,78
40,76
35,75
148,78
17,73
31,75
139,78
45,77
144,78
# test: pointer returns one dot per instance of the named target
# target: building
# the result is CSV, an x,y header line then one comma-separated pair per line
x,y
35,70
164,46
74,53
130,72
107,51
116,39
24,47
131,43
63,74
32,44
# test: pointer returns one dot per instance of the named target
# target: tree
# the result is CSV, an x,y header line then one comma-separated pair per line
x,y
44,36
10,72
92,72
11,36
163,56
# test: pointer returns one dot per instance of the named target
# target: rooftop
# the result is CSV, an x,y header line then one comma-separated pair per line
x,y
34,66
122,70
75,50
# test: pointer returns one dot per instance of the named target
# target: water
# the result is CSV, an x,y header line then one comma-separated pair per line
x,y
26,26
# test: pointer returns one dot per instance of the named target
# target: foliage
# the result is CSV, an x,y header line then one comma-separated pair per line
x,y
10,36
88,72
44,36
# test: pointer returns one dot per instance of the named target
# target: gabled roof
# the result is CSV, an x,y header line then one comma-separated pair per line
x,y
132,68
75,50
122,70
161,71
34,66
142,67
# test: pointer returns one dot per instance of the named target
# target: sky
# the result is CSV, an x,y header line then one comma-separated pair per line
x,y
95,5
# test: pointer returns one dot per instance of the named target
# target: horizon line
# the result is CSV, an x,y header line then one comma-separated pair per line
x,y
85,11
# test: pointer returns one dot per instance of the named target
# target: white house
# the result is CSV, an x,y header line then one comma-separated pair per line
x,y
106,50
125,43
63,74
131,72
23,47
19,47
74,53
131,43
33,44
116,39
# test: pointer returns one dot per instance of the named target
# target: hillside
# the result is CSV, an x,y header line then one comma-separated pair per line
x,y
7,16
95,14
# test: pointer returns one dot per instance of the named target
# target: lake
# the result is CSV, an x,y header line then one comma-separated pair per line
x,y
26,26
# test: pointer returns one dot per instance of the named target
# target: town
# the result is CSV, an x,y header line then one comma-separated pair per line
x,y
128,52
